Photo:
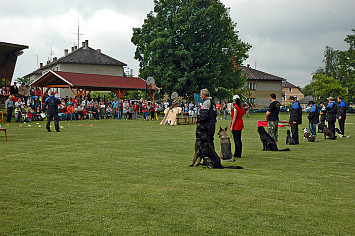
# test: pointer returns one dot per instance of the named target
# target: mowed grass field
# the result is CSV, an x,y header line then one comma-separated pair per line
x,y
133,178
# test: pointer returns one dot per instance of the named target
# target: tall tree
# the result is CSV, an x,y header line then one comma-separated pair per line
x,y
187,45
346,71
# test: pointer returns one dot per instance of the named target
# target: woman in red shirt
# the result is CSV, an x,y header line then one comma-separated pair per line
x,y
237,125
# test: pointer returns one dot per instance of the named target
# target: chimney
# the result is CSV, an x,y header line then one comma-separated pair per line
x,y
72,49
65,52
86,44
98,50
75,47
48,62
40,65
248,65
83,44
55,58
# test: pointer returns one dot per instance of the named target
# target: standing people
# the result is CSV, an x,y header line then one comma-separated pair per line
x,y
341,115
332,110
14,89
144,110
135,110
218,107
247,110
152,110
9,106
323,115
205,129
237,125
272,117
52,111
225,110
313,118
295,118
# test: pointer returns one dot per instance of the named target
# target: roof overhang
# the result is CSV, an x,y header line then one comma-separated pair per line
x,y
8,57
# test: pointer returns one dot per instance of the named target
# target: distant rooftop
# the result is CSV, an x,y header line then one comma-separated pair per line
x,y
254,74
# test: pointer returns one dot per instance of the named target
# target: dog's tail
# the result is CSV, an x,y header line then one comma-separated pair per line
x,y
285,149
233,167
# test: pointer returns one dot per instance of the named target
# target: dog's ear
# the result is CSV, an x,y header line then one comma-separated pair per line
x,y
220,128
225,129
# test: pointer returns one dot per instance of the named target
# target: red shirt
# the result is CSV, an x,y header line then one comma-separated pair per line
x,y
239,124
135,107
218,107
144,108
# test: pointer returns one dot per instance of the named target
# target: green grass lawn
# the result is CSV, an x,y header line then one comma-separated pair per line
x,y
133,178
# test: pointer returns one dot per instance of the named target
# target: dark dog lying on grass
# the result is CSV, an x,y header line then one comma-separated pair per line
x,y
226,148
308,136
328,133
289,139
269,143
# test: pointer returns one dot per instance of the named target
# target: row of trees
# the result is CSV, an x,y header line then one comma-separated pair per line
x,y
337,77
187,45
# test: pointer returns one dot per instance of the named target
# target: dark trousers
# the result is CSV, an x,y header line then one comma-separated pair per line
x,y
152,115
9,114
56,121
341,125
331,126
294,131
237,135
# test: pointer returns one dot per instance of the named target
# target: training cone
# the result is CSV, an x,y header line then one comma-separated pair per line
x,y
20,125
24,122
37,123
91,125
79,124
68,124
29,125
39,126
61,127
7,124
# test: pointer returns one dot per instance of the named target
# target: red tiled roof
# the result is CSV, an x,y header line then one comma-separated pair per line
x,y
286,84
94,81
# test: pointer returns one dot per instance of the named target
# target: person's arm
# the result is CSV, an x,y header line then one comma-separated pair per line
x,y
234,119
267,115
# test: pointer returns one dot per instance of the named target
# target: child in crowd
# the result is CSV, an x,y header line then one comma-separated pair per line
x,y
18,114
109,112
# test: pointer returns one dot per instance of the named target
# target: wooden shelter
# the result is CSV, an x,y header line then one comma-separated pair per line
x,y
83,84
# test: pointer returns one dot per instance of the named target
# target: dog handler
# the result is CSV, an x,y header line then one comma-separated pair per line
x,y
237,125
272,117
332,110
341,115
295,118
206,125
313,118
52,102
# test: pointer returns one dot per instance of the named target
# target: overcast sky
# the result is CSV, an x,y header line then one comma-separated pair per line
x,y
288,36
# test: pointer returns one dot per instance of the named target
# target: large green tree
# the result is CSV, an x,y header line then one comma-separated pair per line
x,y
323,86
187,45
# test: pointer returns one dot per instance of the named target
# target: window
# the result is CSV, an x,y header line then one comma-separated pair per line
x,y
284,98
290,90
251,100
252,86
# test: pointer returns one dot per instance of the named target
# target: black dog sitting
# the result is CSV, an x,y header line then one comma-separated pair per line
x,y
289,139
269,143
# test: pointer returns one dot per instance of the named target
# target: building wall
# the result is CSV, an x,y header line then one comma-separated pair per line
x,y
262,92
91,69
286,95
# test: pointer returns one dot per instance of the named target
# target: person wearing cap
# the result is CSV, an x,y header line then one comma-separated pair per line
x,y
295,118
313,118
341,115
9,106
205,128
272,117
332,110
237,125
52,111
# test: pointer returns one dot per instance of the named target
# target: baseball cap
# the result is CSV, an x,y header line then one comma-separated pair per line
x,y
236,97
330,98
52,93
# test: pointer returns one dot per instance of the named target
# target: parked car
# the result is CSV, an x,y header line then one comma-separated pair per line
x,y
263,109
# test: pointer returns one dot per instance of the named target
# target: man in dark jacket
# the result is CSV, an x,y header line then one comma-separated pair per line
x,y
52,111
313,118
206,125
295,118
323,115
341,115
332,110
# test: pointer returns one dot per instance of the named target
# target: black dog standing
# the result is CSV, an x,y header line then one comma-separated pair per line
x,y
52,111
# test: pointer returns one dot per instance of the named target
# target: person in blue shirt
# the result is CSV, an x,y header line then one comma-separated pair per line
x,y
313,118
52,111
114,108
341,114
332,110
295,118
